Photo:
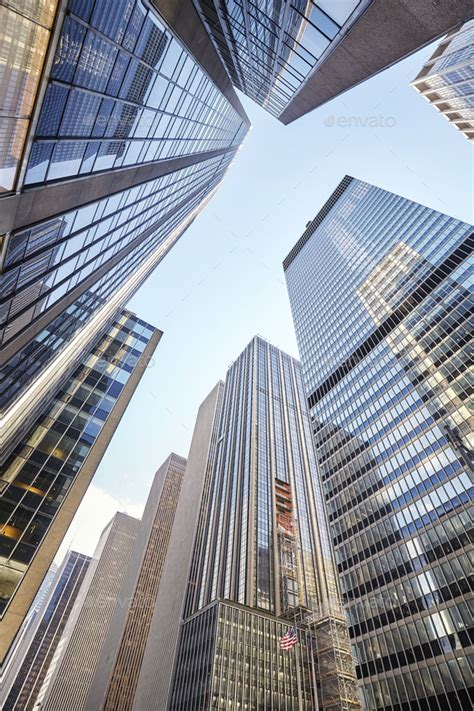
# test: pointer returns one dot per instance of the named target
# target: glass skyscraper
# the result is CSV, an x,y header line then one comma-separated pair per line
x,y
132,125
262,546
47,474
380,292
447,79
291,57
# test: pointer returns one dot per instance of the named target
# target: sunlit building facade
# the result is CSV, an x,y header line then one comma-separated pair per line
x,y
380,294
447,79
127,124
262,559
117,671
45,636
291,57
73,667
46,476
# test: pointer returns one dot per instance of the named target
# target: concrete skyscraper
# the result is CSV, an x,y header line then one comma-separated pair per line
x,y
116,678
262,560
31,661
46,476
447,79
379,290
83,640
291,57
120,122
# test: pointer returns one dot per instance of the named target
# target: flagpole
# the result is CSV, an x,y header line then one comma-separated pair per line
x,y
298,678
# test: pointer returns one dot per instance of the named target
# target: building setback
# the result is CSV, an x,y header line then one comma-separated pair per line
x,y
380,298
117,671
447,79
46,476
82,643
120,123
45,634
262,560
292,57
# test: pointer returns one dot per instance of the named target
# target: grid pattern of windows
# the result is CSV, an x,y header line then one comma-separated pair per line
x,y
59,605
26,28
229,656
47,261
381,298
127,667
37,476
123,92
269,48
264,441
447,79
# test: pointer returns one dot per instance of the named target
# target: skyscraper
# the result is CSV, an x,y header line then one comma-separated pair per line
x,y
88,626
46,633
121,124
46,476
262,560
292,57
379,290
447,79
155,679
116,676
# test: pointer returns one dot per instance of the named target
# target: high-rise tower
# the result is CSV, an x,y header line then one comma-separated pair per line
x,y
291,57
447,79
46,476
120,124
379,290
262,559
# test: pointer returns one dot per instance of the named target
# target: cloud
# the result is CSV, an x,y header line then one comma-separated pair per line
x,y
97,508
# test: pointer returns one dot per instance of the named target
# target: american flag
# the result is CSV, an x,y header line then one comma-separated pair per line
x,y
289,640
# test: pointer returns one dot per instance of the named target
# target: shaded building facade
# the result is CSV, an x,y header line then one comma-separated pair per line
x,y
132,123
447,79
46,476
292,57
262,559
379,291
82,643
51,620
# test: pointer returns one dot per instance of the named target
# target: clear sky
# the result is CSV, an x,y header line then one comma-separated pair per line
x,y
223,282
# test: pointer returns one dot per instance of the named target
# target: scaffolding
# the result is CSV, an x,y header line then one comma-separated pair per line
x,y
338,690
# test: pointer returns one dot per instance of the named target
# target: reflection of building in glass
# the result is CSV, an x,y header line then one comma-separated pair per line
x,y
134,126
447,79
73,668
47,474
44,636
379,293
293,56
262,547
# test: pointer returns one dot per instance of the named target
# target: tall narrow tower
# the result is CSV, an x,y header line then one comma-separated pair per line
x,y
264,561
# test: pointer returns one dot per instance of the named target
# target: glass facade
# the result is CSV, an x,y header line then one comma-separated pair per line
x,y
39,473
229,657
263,543
26,29
447,79
54,615
266,533
380,290
121,93
270,48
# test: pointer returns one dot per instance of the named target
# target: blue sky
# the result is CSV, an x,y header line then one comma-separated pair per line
x,y
223,282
